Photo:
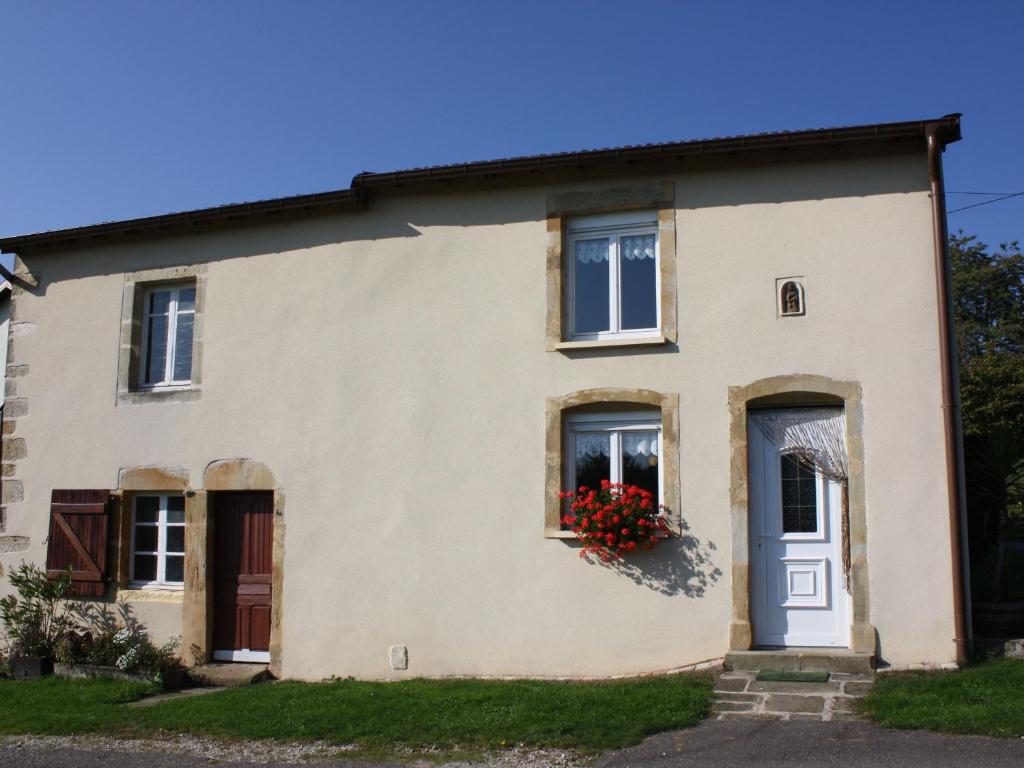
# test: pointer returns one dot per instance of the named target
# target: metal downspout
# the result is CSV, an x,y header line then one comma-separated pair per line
x,y
950,394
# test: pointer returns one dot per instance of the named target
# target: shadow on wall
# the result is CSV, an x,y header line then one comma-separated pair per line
x,y
103,617
681,565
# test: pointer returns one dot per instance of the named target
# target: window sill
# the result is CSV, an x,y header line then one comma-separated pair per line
x,y
159,395
155,593
639,341
557,533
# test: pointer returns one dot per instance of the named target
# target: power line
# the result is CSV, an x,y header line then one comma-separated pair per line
x,y
990,194
986,202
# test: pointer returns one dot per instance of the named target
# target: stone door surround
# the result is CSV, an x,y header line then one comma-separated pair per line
x,y
791,390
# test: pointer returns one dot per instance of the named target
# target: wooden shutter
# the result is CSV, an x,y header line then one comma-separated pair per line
x,y
79,521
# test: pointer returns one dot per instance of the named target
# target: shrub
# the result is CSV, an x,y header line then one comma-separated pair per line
x,y
36,617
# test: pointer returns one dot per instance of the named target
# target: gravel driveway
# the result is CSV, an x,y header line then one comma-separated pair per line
x,y
713,744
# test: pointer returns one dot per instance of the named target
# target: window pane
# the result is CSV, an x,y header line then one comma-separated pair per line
x,y
183,348
638,272
156,349
175,509
145,568
147,509
640,460
590,302
175,567
175,538
799,496
146,537
159,302
186,299
593,459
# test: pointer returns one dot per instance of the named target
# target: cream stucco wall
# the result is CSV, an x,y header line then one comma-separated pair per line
x,y
389,367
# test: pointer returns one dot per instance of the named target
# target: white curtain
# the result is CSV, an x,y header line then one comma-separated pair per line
x,y
640,443
637,247
592,445
631,247
592,251
818,437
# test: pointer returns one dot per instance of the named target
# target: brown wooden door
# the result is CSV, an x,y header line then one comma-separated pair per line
x,y
243,551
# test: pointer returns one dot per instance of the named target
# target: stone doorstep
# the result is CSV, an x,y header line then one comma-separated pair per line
x,y
801,660
229,674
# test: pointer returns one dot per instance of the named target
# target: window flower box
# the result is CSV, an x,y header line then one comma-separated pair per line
x,y
615,520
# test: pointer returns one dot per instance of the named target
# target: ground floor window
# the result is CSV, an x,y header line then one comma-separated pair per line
x,y
620,447
158,541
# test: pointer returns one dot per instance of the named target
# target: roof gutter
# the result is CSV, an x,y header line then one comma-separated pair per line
x,y
629,159
937,136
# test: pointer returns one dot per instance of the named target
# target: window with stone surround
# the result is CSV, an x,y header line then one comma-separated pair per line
x,y
622,435
611,267
160,356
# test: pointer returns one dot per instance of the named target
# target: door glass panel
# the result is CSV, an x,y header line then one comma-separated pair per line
x,y
590,302
638,273
799,496
640,460
593,459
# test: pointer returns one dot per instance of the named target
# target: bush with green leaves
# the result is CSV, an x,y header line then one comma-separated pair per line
x,y
36,617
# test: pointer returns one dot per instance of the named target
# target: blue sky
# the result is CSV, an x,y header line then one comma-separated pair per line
x,y
113,110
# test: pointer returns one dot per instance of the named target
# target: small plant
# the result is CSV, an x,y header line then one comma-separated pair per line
x,y
128,648
36,618
615,520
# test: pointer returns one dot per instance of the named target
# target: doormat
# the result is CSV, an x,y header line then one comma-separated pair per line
x,y
768,676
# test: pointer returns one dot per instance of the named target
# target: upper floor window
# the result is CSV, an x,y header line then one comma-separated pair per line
x,y
613,276
168,320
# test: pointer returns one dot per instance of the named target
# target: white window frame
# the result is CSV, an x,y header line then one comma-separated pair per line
x,y
821,499
168,380
613,226
161,552
614,423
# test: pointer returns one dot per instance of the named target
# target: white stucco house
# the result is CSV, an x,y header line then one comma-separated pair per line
x,y
328,432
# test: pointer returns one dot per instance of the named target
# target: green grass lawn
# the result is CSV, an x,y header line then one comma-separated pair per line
x,y
447,713
985,699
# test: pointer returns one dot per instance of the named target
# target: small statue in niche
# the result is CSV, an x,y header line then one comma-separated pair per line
x,y
791,299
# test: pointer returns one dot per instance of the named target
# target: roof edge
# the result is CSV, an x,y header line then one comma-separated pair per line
x,y
946,128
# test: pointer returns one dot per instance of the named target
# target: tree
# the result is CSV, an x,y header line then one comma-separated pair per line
x,y
988,300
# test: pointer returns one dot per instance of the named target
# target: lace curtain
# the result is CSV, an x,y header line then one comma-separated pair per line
x,y
633,444
818,437
631,247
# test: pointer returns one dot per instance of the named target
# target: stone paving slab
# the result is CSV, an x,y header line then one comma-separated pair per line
x,y
739,695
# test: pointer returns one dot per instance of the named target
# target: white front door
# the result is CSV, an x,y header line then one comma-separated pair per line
x,y
797,592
